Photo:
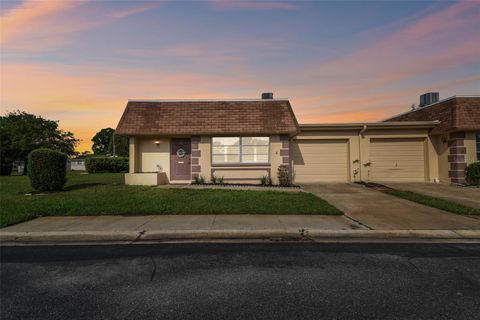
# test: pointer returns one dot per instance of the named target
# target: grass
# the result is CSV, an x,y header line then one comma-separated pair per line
x,y
106,194
435,202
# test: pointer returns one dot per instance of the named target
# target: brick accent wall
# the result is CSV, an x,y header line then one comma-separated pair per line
x,y
285,150
456,157
195,157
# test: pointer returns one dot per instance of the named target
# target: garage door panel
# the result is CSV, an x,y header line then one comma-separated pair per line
x,y
397,159
320,160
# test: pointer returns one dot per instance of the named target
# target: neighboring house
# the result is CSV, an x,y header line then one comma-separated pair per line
x,y
242,140
76,164
19,166
457,137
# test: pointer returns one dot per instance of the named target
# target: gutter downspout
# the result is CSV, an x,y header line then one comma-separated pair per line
x,y
361,135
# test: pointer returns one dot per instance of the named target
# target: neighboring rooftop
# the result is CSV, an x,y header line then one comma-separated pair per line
x,y
457,113
208,117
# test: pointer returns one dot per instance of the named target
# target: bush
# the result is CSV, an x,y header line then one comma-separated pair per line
x,y
217,180
472,173
6,168
283,174
47,169
265,181
199,180
106,164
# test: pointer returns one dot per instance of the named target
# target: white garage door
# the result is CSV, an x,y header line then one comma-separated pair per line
x,y
320,161
397,160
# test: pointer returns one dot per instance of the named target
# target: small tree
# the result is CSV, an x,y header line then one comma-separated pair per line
x,y
472,173
283,175
47,169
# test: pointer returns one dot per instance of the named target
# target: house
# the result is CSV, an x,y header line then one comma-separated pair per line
x,y
76,164
174,141
456,138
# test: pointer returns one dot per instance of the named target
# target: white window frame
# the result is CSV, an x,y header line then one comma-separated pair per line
x,y
240,152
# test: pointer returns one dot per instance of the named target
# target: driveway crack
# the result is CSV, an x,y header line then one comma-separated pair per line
x,y
360,223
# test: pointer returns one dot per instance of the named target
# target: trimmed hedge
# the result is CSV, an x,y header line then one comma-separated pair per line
x,y
472,173
106,164
47,169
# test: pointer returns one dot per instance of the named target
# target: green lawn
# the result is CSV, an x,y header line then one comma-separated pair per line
x,y
434,202
105,194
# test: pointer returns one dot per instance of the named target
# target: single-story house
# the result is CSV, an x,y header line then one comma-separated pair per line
x,y
174,141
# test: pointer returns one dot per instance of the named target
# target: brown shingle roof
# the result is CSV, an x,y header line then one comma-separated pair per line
x,y
454,114
208,117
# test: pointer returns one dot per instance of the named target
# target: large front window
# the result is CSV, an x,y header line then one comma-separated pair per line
x,y
231,150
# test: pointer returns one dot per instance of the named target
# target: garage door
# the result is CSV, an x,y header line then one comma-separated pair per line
x,y
320,161
397,160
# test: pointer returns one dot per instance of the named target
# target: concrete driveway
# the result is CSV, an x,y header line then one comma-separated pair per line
x,y
380,211
468,196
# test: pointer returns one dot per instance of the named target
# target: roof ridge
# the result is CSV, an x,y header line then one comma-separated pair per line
x,y
206,100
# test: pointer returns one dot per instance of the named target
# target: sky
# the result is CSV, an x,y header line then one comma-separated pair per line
x,y
337,61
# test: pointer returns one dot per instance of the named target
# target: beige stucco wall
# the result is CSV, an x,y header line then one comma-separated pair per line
x,y
471,146
440,145
145,155
275,157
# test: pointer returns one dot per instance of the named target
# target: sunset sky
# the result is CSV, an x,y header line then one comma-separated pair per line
x,y
80,61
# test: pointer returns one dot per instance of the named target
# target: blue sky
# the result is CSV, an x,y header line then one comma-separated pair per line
x,y
338,61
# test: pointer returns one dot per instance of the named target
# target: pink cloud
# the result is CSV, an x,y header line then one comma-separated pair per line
x,y
226,5
45,25
136,10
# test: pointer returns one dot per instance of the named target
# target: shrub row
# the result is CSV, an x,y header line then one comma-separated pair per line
x,y
106,164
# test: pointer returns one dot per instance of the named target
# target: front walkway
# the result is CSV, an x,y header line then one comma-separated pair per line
x,y
185,223
381,211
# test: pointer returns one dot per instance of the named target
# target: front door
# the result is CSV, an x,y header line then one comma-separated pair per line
x,y
180,154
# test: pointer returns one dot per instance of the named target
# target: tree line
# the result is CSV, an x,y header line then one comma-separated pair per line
x,y
21,133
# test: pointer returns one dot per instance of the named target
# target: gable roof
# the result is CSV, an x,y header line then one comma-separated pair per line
x,y
457,113
207,117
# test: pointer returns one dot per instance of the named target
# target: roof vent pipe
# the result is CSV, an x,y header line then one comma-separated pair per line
x,y
267,96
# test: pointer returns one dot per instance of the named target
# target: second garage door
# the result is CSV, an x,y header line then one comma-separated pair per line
x,y
397,160
320,160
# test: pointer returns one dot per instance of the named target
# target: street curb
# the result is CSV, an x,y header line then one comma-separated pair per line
x,y
199,235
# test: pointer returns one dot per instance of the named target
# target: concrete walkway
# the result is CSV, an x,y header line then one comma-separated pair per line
x,y
469,196
380,211
212,227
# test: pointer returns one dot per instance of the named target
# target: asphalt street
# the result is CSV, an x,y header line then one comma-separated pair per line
x,y
241,281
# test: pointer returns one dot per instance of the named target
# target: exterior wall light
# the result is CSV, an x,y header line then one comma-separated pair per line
x,y
157,142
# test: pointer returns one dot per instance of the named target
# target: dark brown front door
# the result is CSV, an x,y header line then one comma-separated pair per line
x,y
180,155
